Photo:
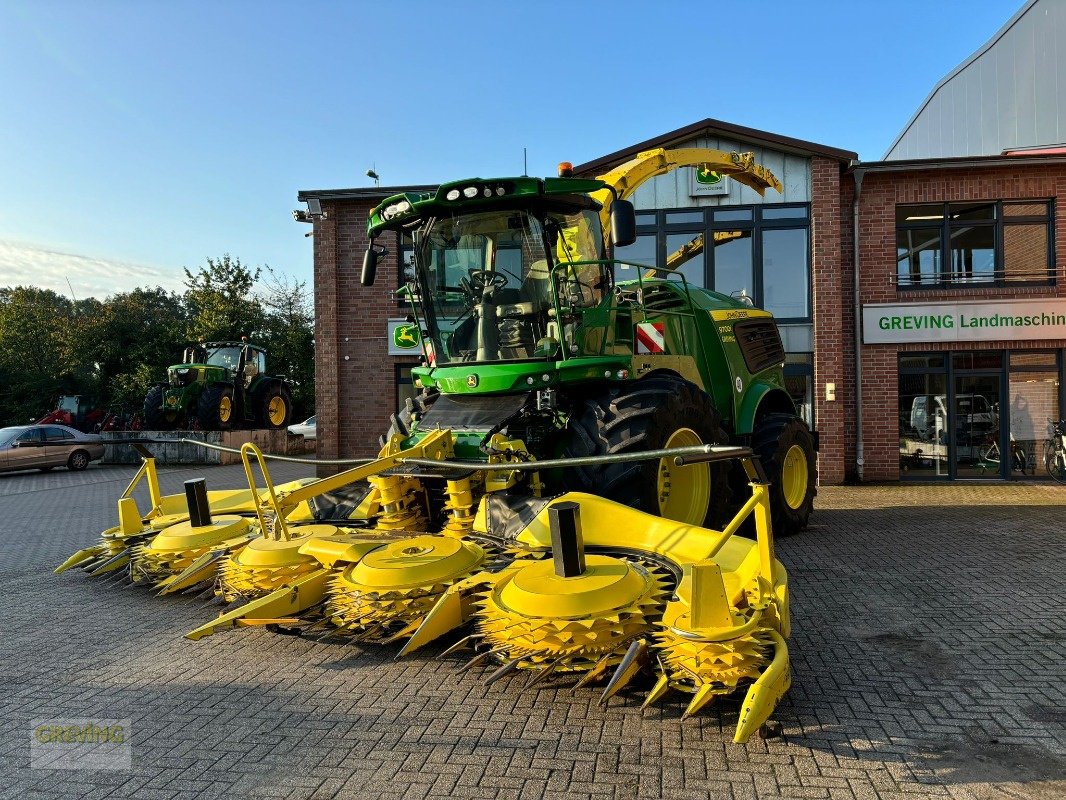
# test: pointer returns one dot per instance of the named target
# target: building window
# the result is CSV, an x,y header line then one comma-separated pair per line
x,y
758,252
977,414
987,243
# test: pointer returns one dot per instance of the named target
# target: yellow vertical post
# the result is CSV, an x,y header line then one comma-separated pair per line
x,y
129,516
709,606
764,536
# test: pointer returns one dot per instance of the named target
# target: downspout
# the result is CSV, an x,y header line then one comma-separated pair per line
x,y
859,452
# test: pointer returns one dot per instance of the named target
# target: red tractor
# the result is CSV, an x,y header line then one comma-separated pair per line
x,y
74,411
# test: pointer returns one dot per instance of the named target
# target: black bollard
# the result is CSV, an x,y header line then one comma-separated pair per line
x,y
568,548
196,498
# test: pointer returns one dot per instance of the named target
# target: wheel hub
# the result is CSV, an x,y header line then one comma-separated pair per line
x,y
794,476
684,492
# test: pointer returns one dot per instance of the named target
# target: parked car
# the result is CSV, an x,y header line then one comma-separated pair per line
x,y
306,429
44,447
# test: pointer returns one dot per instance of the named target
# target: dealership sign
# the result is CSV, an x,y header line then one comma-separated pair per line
x,y
705,181
403,338
964,321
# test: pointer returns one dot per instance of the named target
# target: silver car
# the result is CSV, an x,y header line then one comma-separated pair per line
x,y
46,446
307,429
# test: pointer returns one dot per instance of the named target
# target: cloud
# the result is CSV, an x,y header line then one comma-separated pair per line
x,y
24,264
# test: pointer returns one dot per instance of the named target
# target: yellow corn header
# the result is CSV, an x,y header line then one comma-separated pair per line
x,y
568,587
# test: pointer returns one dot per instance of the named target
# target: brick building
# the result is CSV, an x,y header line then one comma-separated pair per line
x,y
964,318
776,244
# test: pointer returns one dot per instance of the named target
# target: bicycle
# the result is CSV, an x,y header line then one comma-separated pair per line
x,y
1055,450
990,456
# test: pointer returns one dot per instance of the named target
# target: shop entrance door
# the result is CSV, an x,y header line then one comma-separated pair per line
x,y
979,431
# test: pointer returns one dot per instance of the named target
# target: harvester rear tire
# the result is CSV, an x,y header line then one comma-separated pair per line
x,y
403,422
211,408
273,407
644,415
155,418
780,441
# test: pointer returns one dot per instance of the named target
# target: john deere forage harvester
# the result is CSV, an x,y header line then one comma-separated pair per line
x,y
529,330
560,486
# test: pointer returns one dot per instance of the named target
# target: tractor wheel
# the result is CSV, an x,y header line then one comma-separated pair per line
x,y
785,446
216,410
155,417
274,407
656,412
403,422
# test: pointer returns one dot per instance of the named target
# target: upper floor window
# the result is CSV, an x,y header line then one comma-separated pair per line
x,y
983,242
759,252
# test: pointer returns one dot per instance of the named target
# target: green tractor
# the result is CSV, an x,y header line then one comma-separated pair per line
x,y
535,339
217,387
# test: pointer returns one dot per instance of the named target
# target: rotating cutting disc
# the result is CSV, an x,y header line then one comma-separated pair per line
x,y
538,619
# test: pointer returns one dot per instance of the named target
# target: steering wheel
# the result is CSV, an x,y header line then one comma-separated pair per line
x,y
481,279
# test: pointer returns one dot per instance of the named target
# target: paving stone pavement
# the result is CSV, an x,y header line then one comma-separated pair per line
x,y
928,649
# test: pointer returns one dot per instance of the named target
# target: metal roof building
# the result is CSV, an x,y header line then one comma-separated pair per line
x,y
1009,95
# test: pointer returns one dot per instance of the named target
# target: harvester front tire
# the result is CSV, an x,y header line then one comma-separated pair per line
x,y
785,446
155,418
649,414
274,407
403,422
216,410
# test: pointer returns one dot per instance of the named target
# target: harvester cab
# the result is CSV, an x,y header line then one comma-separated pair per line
x,y
219,386
531,330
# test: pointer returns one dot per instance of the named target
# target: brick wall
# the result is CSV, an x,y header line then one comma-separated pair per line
x,y
354,375
881,192
829,299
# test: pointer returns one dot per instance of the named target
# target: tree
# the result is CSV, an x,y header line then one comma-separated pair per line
x,y
289,335
220,301
45,351
142,332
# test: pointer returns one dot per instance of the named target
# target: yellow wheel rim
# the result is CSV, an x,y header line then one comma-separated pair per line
x,y
225,408
276,410
794,476
684,492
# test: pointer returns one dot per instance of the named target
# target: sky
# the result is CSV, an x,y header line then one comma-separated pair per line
x,y
141,137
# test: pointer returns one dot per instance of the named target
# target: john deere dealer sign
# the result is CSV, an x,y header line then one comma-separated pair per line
x,y
967,321
403,338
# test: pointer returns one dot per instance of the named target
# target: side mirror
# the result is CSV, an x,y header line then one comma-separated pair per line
x,y
623,223
370,265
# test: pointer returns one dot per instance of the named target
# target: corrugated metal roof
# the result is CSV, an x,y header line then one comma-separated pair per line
x,y
1010,94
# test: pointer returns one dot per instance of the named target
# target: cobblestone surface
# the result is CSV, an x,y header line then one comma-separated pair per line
x,y
929,655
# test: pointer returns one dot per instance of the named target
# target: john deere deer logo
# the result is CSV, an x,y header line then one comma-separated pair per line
x,y
405,336
471,381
